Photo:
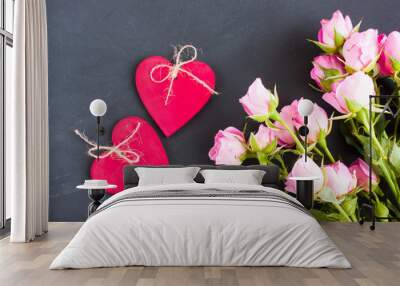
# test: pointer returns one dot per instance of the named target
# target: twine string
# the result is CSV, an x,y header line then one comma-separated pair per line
x,y
174,70
123,154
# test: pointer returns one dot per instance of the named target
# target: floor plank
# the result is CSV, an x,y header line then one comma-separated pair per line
x,y
375,257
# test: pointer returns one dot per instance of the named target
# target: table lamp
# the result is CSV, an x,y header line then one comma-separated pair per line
x,y
305,108
98,108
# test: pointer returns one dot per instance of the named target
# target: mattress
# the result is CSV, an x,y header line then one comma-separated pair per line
x,y
201,225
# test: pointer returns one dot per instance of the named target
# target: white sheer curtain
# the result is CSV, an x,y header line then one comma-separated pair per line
x,y
27,119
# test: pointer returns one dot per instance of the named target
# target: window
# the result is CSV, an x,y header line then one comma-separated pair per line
x,y
6,61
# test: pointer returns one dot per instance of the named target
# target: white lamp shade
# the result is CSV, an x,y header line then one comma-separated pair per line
x,y
98,107
305,107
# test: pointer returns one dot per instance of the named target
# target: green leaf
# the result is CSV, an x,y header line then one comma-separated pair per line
x,y
353,105
243,156
330,73
380,126
276,96
327,195
323,47
381,210
395,64
349,69
396,78
330,76
319,215
259,118
336,217
262,158
349,137
377,190
386,144
331,216
366,145
350,205
271,147
339,39
372,64
326,84
315,87
294,151
375,72
357,27
253,143
394,157
362,114
274,115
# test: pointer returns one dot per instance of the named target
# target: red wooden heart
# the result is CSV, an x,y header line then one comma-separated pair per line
x,y
189,97
146,143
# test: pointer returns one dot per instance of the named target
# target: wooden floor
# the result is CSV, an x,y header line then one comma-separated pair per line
x,y
375,257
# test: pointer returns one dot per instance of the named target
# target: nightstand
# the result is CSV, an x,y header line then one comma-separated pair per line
x,y
96,191
305,190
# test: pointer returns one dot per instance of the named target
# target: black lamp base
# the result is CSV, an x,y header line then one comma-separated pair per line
x,y
305,193
95,196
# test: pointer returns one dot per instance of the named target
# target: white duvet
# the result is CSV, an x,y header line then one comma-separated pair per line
x,y
200,231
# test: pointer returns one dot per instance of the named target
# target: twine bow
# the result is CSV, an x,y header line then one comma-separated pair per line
x,y
123,154
175,69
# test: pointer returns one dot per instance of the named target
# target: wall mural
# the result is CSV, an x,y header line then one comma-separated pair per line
x,y
347,73
174,93
115,64
134,142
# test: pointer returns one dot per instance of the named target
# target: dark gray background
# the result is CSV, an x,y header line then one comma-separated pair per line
x,y
95,45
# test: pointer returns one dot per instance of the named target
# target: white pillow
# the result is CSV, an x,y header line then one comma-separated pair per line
x,y
166,176
248,177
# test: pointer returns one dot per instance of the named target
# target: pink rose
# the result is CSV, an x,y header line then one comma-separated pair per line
x,y
390,54
259,102
326,71
339,179
229,146
264,137
317,121
305,169
361,50
352,93
287,114
361,169
339,24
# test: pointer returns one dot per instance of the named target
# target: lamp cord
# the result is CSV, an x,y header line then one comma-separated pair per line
x,y
98,137
305,138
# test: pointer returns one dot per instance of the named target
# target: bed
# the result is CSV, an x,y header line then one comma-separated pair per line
x,y
201,224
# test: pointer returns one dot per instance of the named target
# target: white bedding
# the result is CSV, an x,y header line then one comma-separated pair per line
x,y
183,231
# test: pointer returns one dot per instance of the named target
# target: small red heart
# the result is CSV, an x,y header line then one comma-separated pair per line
x,y
146,143
189,97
